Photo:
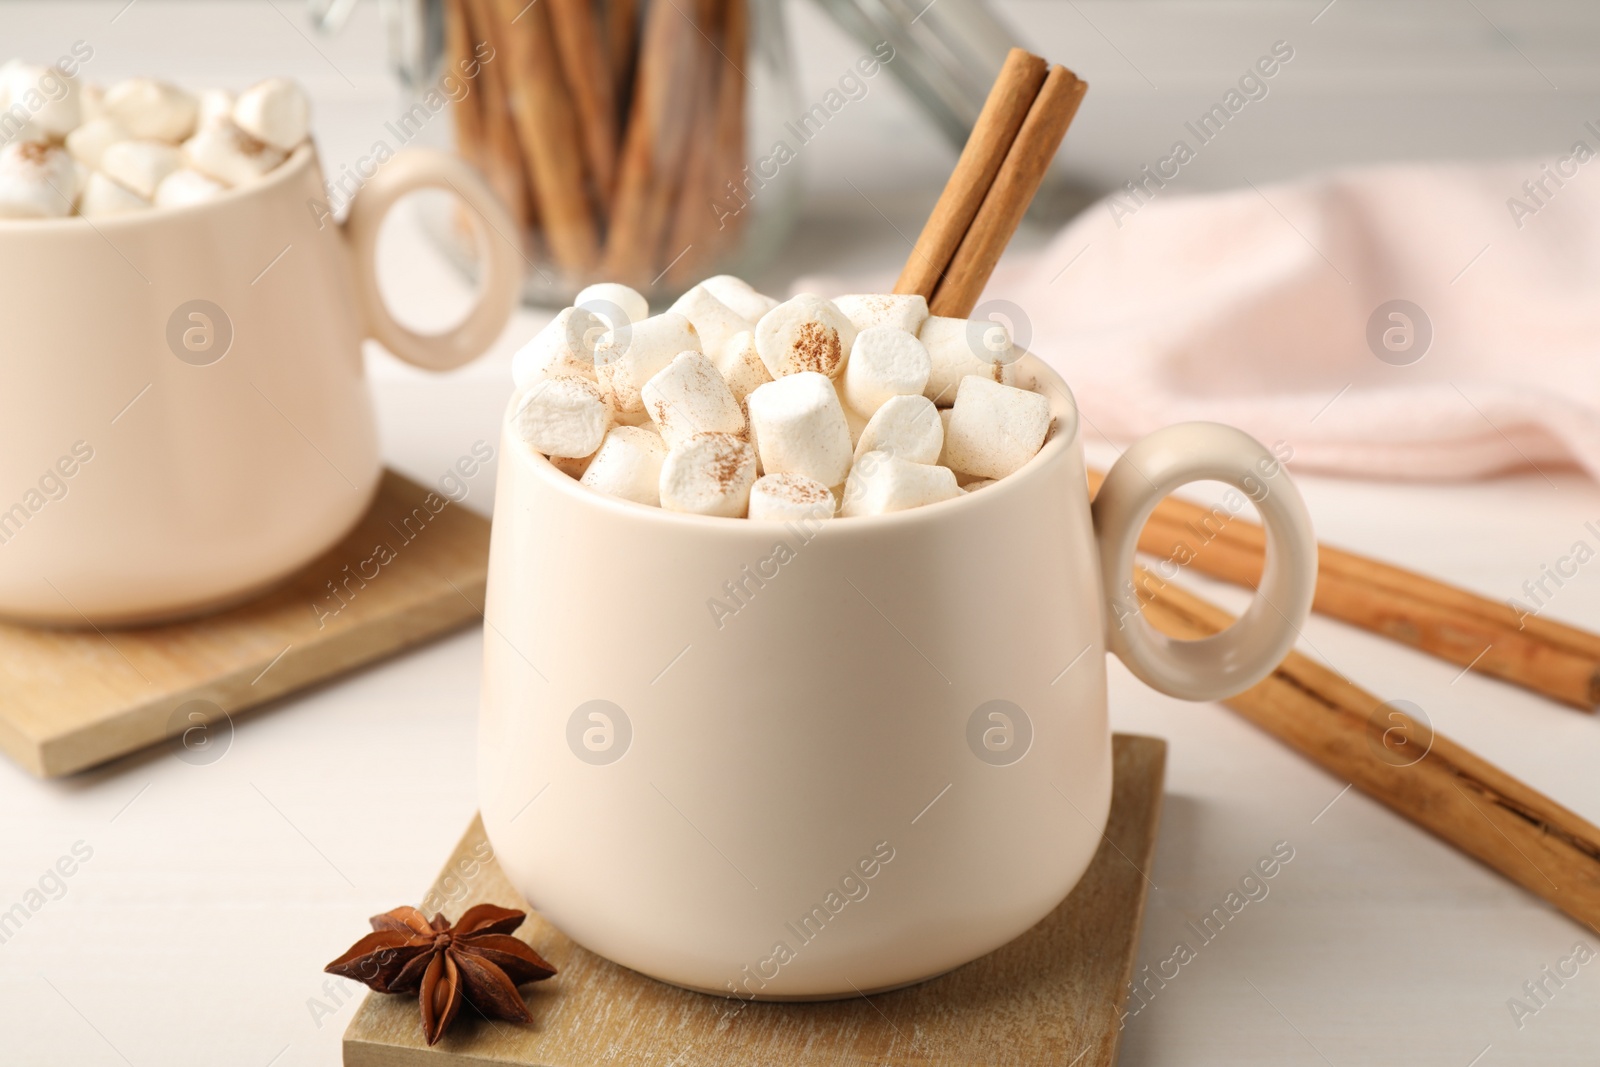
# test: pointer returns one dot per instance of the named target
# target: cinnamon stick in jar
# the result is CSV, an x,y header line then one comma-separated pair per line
x,y
687,242
468,112
587,69
716,141
485,118
548,135
654,145
622,37
728,143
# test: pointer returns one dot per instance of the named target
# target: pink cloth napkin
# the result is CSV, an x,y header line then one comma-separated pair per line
x,y
1269,310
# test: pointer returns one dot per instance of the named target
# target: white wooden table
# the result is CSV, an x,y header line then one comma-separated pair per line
x,y
211,895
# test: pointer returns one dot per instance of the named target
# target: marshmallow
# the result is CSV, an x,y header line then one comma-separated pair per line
x,y
627,357
634,418
27,133
88,142
45,94
714,321
153,110
564,417
103,197
688,397
213,104
709,474
853,419
91,101
275,112
885,361
881,483
806,333
866,310
738,295
36,181
959,347
995,428
223,151
628,465
800,427
908,427
976,484
564,347
616,304
184,186
740,364
140,165
790,498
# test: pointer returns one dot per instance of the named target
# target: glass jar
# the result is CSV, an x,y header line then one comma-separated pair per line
x,y
630,139
653,141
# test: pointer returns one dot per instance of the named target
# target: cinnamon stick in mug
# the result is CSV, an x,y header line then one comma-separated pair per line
x,y
1024,168
1002,116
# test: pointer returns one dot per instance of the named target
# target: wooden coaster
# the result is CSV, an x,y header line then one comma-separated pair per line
x,y
1052,996
70,699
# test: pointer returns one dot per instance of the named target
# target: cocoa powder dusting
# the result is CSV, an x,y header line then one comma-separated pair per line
x,y
817,347
797,489
727,460
252,147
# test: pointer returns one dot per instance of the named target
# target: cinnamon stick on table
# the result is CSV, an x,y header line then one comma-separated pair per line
x,y
1003,113
1556,660
1387,754
1025,165
1447,790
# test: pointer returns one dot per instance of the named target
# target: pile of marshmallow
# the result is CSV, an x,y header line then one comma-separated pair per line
x,y
731,403
141,144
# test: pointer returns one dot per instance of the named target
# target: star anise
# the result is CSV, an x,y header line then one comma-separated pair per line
x,y
477,958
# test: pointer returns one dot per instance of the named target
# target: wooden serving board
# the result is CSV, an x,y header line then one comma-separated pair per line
x,y
70,699
1052,996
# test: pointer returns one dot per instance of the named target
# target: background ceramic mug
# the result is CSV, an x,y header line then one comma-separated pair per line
x,y
885,754
184,418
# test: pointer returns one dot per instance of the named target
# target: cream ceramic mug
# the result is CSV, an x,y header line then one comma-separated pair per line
x,y
886,754
184,418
